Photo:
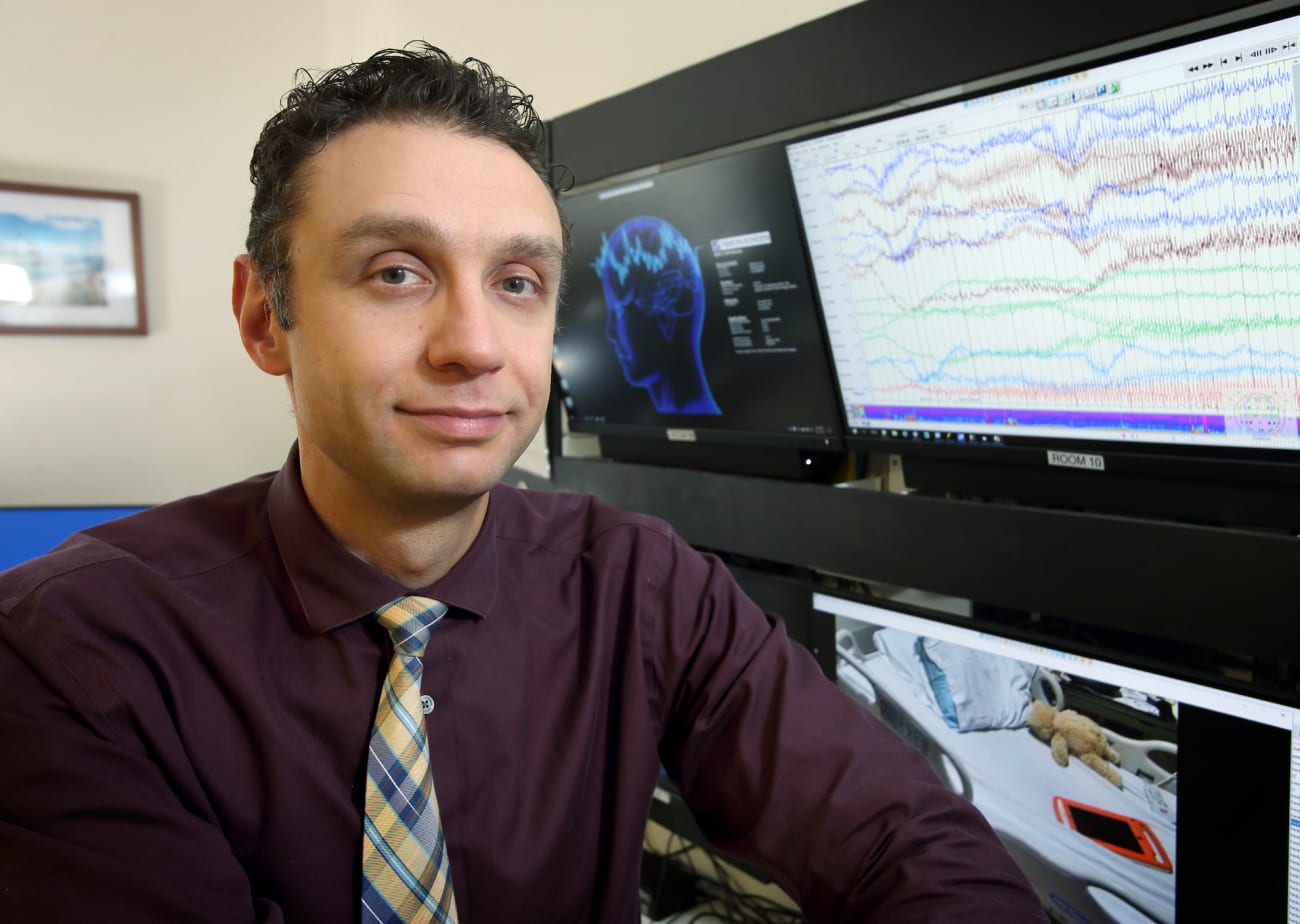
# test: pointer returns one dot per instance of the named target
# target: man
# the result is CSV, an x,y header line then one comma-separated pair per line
x,y
190,699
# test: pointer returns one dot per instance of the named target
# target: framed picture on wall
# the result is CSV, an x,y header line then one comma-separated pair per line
x,y
70,261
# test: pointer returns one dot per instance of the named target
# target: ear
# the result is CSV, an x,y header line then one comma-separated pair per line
x,y
264,339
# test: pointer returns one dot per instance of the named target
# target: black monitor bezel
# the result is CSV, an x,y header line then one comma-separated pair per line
x,y
1037,630
696,445
1224,478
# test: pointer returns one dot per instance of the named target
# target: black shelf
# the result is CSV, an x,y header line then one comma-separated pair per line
x,y
1224,588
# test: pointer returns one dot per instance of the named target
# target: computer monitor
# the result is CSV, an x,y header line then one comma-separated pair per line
x,y
1087,278
26,532
1189,816
690,333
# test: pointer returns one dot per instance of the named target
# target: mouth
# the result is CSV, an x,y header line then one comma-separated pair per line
x,y
458,424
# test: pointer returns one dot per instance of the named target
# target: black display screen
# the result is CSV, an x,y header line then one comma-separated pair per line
x,y
690,314
1105,828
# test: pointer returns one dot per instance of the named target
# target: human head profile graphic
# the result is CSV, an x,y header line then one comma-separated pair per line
x,y
654,300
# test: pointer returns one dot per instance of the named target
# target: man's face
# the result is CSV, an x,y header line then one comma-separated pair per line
x,y
426,266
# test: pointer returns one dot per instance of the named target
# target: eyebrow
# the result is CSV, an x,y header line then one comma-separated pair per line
x,y
378,226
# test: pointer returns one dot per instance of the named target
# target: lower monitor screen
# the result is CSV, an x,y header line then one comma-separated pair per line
x,y
1186,814
690,314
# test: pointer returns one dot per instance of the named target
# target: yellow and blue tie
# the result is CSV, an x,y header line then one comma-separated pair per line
x,y
405,876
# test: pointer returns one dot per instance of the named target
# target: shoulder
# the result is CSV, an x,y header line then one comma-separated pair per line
x,y
555,538
570,524
170,542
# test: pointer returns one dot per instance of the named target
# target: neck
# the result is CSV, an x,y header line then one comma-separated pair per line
x,y
413,542
681,386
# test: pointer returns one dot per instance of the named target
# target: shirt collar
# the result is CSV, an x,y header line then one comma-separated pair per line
x,y
335,587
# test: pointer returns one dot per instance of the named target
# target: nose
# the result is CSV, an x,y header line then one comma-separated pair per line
x,y
465,331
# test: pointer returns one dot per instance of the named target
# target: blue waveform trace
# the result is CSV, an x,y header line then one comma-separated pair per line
x,y
1122,119
1079,228
1208,164
1285,365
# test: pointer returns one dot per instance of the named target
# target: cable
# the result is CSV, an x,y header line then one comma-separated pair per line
x,y
729,902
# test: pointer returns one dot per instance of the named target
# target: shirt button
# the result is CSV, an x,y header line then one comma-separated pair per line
x,y
426,703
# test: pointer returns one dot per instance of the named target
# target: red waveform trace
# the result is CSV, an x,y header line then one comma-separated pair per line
x,y
1112,167
1129,251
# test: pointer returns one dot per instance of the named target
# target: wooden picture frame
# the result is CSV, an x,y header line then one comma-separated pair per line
x,y
70,261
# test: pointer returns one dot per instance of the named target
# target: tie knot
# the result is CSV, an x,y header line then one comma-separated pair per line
x,y
409,621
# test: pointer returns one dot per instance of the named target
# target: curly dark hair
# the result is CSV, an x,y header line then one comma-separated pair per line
x,y
419,84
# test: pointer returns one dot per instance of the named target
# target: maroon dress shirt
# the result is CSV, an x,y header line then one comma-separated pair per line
x,y
186,697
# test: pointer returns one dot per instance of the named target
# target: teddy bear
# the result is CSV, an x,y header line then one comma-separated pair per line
x,y
1070,732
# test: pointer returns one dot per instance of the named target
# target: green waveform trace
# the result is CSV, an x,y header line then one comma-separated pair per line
x,y
1085,292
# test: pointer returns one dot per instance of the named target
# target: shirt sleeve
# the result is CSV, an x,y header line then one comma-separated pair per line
x,y
783,769
94,824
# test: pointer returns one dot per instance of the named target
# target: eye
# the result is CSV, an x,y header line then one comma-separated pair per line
x,y
396,276
520,285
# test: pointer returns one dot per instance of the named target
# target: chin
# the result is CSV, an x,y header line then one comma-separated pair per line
x,y
464,480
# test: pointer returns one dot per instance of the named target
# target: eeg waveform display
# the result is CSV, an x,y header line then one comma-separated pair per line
x,y
1111,254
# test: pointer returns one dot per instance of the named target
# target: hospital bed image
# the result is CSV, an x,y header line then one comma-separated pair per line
x,y
1093,851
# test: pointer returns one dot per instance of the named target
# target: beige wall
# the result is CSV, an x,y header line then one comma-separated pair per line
x,y
166,99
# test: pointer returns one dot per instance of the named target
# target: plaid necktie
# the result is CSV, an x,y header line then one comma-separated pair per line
x,y
405,877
